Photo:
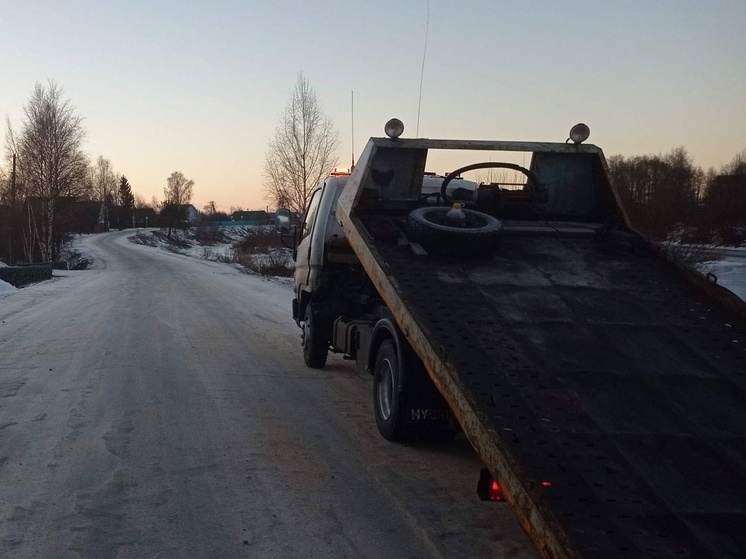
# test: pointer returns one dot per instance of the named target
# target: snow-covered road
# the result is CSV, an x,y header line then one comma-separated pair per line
x,y
158,406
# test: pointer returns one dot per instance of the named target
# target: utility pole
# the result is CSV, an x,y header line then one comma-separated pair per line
x,y
13,182
352,126
13,224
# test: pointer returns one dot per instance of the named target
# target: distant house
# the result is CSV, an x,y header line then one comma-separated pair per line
x,y
179,216
145,217
7,239
184,212
252,217
70,214
82,216
120,217
190,212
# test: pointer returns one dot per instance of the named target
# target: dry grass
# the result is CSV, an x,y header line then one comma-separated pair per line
x,y
273,263
262,252
209,236
259,241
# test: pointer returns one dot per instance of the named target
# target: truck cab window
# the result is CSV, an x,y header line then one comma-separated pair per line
x,y
313,210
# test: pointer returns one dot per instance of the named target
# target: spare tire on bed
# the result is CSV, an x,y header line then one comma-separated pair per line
x,y
475,233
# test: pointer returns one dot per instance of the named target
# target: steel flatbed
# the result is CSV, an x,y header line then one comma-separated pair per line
x,y
604,386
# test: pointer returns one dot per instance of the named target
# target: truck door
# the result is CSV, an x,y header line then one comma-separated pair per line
x,y
303,262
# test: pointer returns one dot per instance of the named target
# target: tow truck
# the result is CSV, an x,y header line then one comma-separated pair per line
x,y
602,383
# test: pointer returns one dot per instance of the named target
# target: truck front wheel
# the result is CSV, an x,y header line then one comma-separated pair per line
x,y
387,399
315,344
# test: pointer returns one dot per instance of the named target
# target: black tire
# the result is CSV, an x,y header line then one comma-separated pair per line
x,y
424,395
315,342
478,233
387,399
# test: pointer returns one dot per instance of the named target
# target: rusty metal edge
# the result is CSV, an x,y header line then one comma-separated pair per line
x,y
541,525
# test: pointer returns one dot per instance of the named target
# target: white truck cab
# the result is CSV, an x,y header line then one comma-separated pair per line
x,y
320,239
323,253
339,310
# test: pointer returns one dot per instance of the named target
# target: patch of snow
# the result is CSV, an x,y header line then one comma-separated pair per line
x,y
6,287
730,270
81,243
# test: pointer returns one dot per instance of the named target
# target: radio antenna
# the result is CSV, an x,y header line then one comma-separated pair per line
x,y
352,125
422,71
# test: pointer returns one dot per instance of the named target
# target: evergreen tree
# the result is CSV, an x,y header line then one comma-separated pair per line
x,y
126,198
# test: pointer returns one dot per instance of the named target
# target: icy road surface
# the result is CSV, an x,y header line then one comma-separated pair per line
x,y
158,407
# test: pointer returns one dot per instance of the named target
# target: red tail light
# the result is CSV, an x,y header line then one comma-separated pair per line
x,y
496,494
488,487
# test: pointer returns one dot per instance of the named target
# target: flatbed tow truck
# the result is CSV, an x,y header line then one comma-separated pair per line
x,y
602,383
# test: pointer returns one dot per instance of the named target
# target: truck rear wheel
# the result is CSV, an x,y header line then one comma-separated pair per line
x,y
387,399
315,344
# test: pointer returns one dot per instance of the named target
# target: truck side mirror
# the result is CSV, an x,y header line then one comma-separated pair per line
x,y
282,221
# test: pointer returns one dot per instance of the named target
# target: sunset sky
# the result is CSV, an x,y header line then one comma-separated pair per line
x,y
199,87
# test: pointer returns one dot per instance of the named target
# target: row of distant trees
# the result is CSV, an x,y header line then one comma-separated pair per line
x,y
45,170
669,198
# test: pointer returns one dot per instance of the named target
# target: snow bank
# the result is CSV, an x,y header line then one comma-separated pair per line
x,y
6,287
731,270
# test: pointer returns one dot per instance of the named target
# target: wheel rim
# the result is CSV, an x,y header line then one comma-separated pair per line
x,y
306,333
471,221
385,389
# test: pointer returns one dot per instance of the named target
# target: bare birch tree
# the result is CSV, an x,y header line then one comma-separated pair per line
x,y
141,202
302,152
4,187
178,189
737,165
104,181
178,194
50,160
15,187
